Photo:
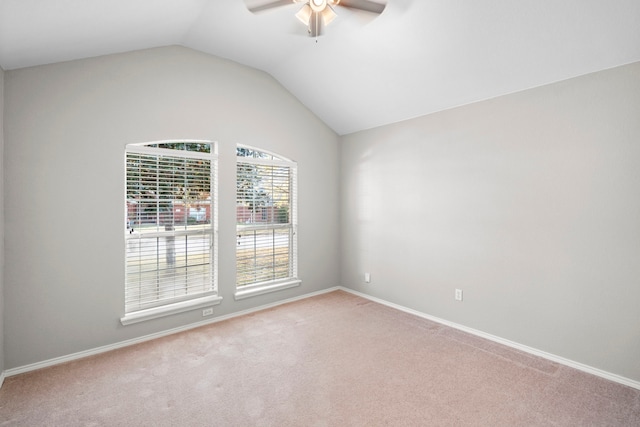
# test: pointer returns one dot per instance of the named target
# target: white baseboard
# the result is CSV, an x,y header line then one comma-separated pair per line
x,y
561,360
552,357
121,344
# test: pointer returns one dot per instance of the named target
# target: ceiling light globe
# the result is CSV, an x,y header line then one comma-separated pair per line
x,y
318,5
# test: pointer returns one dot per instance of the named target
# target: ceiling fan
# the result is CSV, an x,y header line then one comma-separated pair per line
x,y
317,14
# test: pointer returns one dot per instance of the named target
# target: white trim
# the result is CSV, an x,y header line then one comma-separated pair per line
x,y
168,309
98,350
552,357
570,363
265,289
2,375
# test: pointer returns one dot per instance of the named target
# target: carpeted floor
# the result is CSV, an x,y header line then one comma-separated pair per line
x,y
331,360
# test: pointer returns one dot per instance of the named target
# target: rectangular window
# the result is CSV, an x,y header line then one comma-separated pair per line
x,y
171,227
266,251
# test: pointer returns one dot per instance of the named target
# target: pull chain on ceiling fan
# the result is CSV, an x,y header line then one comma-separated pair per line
x,y
317,14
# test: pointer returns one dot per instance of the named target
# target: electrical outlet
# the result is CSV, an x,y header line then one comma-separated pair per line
x,y
207,311
367,277
458,295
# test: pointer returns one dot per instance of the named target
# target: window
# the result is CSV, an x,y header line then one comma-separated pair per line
x,y
171,228
266,251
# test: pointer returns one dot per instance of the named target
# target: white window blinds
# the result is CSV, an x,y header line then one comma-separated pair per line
x,y
170,233
266,213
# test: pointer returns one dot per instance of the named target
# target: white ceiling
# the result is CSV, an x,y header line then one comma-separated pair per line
x,y
417,57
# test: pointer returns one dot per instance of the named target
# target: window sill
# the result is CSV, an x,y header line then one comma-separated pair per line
x,y
265,289
169,309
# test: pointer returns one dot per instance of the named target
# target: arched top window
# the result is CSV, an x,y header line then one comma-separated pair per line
x,y
266,212
170,228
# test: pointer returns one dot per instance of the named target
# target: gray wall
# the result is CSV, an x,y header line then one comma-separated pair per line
x,y
529,203
66,128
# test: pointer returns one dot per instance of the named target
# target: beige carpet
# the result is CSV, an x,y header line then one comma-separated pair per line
x,y
330,360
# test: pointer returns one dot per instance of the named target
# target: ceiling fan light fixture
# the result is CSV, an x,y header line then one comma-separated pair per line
x,y
304,14
328,15
317,14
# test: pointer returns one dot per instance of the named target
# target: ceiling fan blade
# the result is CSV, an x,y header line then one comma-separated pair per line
x,y
366,5
269,5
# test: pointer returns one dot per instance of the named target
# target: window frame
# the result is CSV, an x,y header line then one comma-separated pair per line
x,y
201,299
292,280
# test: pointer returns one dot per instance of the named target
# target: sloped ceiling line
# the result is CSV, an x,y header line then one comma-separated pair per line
x,y
416,58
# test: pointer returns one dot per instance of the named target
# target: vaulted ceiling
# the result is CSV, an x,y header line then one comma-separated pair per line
x,y
417,57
